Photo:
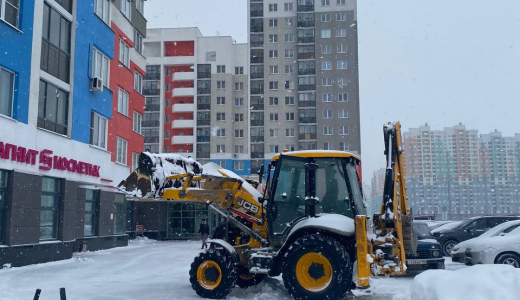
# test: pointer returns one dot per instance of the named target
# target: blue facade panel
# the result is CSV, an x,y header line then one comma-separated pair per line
x,y
15,56
229,164
91,33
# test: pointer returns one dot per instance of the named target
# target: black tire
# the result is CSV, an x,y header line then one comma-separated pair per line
x,y
206,282
447,246
246,279
339,266
509,259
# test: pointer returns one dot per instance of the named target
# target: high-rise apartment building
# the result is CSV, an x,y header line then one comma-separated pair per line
x,y
376,191
197,101
304,76
457,174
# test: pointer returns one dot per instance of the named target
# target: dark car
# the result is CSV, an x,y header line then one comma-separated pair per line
x,y
428,255
467,230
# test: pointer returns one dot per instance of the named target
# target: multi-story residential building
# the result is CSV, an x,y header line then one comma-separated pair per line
x,y
304,76
376,193
456,174
56,171
197,102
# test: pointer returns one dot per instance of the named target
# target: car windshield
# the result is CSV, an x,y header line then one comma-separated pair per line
x,y
464,224
422,231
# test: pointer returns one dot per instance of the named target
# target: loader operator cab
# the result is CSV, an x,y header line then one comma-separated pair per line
x,y
307,184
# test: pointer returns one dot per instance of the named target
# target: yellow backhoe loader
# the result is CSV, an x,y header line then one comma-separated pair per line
x,y
309,224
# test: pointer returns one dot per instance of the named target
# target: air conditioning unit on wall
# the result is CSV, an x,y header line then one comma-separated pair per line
x,y
96,84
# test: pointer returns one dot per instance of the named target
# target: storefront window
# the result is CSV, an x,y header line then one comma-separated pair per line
x,y
120,217
3,202
184,219
49,208
91,209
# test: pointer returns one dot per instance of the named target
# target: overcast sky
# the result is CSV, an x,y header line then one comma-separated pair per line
x,y
441,62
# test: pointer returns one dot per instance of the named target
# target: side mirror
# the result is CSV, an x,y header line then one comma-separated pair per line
x,y
468,230
284,196
261,174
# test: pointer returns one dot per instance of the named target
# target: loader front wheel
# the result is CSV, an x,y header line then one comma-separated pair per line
x,y
213,274
317,267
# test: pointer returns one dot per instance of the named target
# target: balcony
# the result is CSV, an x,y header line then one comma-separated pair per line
x,y
306,87
183,139
306,55
257,29
304,8
257,154
203,75
257,59
151,92
183,123
152,107
203,122
257,13
183,76
183,107
257,122
257,107
257,139
179,92
203,106
307,136
203,138
150,123
307,120
302,104
257,75
306,71
306,24
202,154
257,91
257,44
306,40
151,139
203,91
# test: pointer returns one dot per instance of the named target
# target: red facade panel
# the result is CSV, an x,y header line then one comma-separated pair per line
x,y
179,48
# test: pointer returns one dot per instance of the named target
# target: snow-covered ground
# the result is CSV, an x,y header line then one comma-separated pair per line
x,y
151,270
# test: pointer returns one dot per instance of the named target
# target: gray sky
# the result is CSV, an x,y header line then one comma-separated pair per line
x,y
441,62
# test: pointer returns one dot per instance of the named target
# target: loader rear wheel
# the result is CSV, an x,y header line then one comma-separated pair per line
x,y
213,274
317,267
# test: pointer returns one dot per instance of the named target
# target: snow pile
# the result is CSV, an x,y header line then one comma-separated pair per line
x,y
171,164
480,282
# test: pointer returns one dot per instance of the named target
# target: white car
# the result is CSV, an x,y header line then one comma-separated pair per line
x,y
499,245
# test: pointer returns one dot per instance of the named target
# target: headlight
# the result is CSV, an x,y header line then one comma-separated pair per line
x,y
435,247
436,253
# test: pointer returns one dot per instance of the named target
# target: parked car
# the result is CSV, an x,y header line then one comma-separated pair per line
x,y
468,229
428,255
499,245
437,224
445,227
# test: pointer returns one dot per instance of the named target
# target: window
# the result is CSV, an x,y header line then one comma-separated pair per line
x,y
137,122
289,53
138,82
53,108
168,72
239,70
327,146
344,146
273,69
273,7
342,2
289,22
325,33
167,118
326,65
273,53
341,32
342,113
342,64
290,147
120,214
50,208
327,114
273,148
289,116
288,6
273,101
326,97
326,49
342,48
273,116
168,87
273,22
289,100
239,149
273,85
239,133
167,134
221,100
327,130
221,69
135,161
121,147
6,92
325,17
3,204
126,8
341,16
221,85
342,81
238,165
289,132
138,41
102,9
289,85
221,148
342,97
9,11
239,86
98,131
122,101
221,132
55,52
327,81
289,69
273,38
221,116
139,5
91,204
124,56
273,133
239,101
343,130
239,117
325,2
289,37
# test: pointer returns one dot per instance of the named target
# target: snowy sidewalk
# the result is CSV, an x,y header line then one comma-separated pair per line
x,y
148,270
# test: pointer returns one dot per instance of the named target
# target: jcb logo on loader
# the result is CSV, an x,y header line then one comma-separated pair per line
x,y
248,205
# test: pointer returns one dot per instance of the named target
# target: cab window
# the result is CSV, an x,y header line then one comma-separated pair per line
x,y
331,187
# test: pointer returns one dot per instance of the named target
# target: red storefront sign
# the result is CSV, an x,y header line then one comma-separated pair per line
x,y
47,161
